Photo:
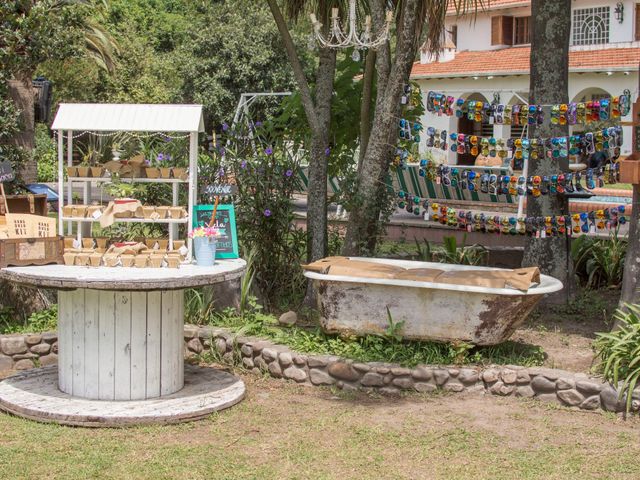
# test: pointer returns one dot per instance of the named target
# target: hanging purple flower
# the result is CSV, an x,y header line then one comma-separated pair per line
x,y
243,164
327,151
258,124
167,157
288,173
222,151
225,126
221,172
267,212
268,151
160,157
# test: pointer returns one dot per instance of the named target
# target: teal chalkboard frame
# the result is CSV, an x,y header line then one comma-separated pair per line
x,y
232,226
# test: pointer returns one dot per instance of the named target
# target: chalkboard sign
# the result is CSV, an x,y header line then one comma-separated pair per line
x,y
227,244
219,190
6,172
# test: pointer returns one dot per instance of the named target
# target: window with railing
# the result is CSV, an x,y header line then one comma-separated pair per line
x,y
590,26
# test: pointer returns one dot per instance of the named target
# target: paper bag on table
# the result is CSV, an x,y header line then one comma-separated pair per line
x,y
121,206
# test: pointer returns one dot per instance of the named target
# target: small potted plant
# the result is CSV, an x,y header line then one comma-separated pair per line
x,y
151,169
204,245
164,161
83,168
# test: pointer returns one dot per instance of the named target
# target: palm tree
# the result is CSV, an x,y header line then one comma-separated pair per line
x,y
99,45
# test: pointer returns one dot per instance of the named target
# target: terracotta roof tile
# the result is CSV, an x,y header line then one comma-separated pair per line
x,y
492,5
516,61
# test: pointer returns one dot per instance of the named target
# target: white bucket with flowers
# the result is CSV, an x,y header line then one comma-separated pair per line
x,y
204,245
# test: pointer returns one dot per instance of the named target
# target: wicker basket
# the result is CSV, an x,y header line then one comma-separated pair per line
x,y
22,225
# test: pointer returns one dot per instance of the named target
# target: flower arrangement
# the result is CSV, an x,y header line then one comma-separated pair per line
x,y
208,232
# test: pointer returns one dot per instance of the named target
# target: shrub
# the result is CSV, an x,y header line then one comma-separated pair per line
x,y
46,156
264,167
450,252
599,262
619,352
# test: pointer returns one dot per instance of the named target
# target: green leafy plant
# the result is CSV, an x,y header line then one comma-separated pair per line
x,y
599,262
451,252
264,165
119,189
386,347
619,353
394,330
42,321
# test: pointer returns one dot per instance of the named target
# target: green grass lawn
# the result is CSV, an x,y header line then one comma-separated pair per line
x,y
619,186
285,431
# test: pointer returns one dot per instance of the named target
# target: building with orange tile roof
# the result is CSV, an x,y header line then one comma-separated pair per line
x,y
486,58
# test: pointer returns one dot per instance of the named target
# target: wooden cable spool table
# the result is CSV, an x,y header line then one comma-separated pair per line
x,y
120,336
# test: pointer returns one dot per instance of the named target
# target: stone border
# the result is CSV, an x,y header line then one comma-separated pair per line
x,y
577,390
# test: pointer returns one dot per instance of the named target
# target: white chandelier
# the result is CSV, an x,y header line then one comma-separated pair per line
x,y
337,38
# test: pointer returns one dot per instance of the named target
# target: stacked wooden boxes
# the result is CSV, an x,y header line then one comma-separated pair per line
x,y
27,234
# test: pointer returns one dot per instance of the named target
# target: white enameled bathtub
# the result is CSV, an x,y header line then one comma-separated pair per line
x,y
430,311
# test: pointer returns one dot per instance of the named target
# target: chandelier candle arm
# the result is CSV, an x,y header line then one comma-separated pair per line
x,y
338,38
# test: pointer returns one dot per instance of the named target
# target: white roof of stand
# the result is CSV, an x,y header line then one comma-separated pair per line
x,y
106,117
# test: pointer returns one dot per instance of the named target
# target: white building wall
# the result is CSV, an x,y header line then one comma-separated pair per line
x,y
474,34
509,87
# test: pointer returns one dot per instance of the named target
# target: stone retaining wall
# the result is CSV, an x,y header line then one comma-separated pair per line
x,y
578,390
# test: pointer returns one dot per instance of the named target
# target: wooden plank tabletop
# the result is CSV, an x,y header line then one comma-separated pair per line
x,y
65,277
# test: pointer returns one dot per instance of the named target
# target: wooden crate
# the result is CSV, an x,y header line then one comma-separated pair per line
x,y
33,204
630,171
31,251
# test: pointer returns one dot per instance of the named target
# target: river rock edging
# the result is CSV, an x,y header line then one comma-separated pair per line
x,y
576,390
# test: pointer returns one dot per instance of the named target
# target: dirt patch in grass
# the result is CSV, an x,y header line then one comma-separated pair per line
x,y
567,332
286,431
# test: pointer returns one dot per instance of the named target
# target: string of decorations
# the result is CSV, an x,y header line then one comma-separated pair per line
x,y
503,184
126,134
539,227
572,113
609,138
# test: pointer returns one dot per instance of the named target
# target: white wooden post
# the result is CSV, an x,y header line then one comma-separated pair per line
x,y
70,184
193,186
60,180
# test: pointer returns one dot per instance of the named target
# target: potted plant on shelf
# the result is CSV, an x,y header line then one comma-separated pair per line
x,y
83,168
151,170
164,162
204,245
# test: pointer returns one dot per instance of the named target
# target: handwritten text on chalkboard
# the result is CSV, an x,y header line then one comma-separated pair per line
x,y
219,189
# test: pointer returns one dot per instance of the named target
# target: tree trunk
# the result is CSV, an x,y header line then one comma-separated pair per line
x,y
365,106
549,79
23,96
317,194
631,277
363,227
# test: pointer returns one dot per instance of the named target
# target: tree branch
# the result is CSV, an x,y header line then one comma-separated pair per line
x,y
298,71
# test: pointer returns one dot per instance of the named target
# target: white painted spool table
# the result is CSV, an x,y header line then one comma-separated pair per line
x,y
120,330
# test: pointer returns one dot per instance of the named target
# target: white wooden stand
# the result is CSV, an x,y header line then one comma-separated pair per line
x,y
120,345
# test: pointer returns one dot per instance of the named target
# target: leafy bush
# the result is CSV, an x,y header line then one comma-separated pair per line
x,y
264,167
43,321
599,262
387,347
619,352
45,155
450,252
